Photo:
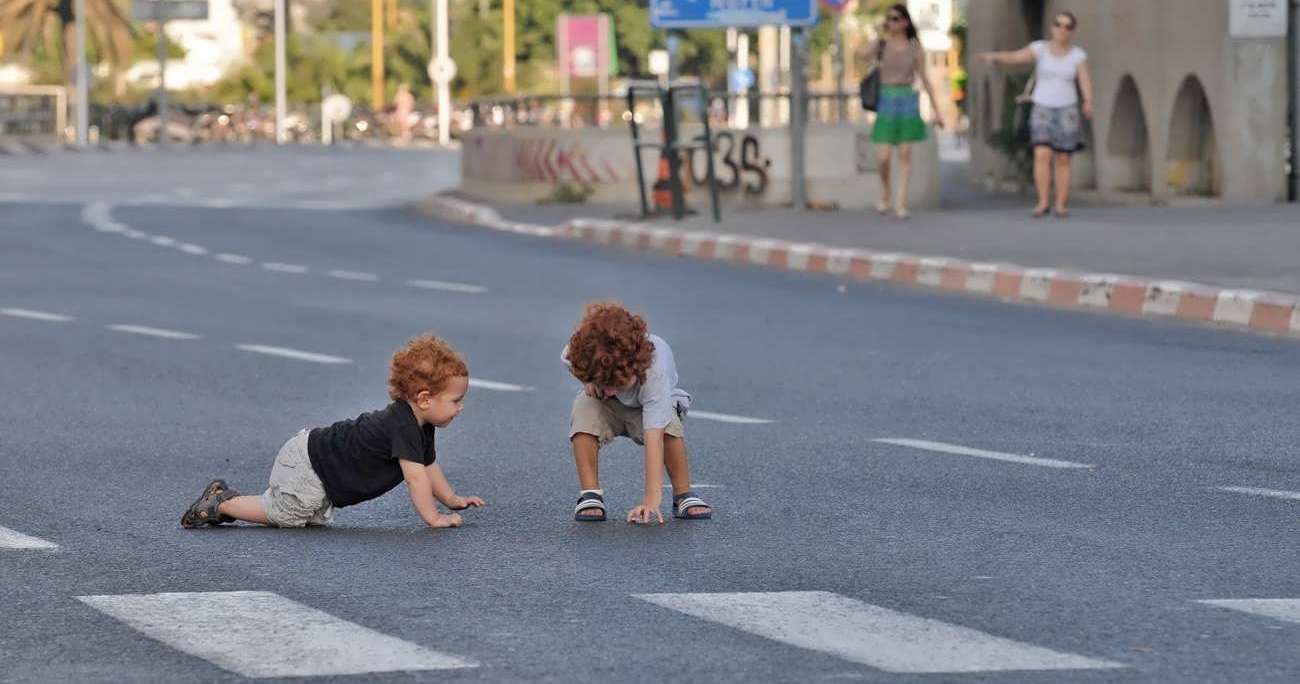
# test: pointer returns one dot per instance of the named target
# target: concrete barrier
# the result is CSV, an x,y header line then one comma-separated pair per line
x,y
752,166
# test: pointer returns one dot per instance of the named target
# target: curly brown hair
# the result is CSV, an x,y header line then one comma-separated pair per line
x,y
425,363
610,347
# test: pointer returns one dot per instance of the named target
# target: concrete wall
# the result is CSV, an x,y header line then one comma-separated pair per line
x,y
1178,101
753,166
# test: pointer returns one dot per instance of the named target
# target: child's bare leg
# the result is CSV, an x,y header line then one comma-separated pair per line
x,y
586,454
246,508
679,472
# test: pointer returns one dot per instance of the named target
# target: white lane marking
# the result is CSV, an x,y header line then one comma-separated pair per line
x,y
135,234
980,453
162,240
1278,609
1256,491
152,332
233,259
193,249
12,539
449,287
698,486
217,203
354,275
37,315
292,353
872,635
499,386
284,268
267,635
726,418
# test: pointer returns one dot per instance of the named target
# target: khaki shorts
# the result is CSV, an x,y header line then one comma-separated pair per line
x,y
609,418
295,496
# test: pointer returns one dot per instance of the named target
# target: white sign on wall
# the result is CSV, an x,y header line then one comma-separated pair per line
x,y
933,21
1257,18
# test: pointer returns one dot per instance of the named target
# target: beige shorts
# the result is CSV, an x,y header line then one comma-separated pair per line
x,y
295,496
609,418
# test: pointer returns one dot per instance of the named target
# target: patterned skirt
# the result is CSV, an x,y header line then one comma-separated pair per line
x,y
898,117
1060,128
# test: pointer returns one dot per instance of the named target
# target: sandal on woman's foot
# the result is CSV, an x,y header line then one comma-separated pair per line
x,y
882,207
1063,213
902,214
590,508
1040,213
684,502
205,509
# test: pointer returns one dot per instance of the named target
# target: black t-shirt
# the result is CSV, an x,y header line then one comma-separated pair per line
x,y
357,460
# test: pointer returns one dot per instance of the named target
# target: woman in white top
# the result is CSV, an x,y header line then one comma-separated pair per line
x,y
1055,124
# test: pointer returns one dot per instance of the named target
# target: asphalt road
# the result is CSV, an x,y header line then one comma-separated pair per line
x,y
1128,471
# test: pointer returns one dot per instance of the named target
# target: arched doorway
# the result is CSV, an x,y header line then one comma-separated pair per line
x,y
1191,161
1128,155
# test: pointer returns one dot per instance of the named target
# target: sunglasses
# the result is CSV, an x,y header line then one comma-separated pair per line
x,y
1067,27
893,17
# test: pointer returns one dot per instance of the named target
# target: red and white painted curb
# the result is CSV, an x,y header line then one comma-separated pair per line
x,y
1253,309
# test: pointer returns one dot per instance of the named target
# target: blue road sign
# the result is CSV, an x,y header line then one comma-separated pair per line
x,y
741,79
693,14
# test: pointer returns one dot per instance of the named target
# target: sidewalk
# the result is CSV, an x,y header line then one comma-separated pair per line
x,y
1234,265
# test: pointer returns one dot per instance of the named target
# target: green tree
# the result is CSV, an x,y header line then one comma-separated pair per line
x,y
45,29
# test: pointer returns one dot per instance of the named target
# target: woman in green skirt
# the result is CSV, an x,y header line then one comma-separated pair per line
x,y
901,60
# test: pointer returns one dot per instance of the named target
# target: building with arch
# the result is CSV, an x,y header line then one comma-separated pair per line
x,y
1182,107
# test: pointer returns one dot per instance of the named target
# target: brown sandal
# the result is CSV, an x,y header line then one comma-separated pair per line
x,y
206,509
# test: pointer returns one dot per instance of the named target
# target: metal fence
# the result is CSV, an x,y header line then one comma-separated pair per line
x,y
582,111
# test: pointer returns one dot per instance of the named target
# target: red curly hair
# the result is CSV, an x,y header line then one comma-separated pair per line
x,y
426,363
610,347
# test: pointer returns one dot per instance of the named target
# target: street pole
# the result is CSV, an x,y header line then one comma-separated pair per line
x,y
83,78
444,85
1294,190
376,55
508,47
280,72
161,18
798,87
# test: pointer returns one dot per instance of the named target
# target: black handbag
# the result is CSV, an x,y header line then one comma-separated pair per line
x,y
1024,109
869,87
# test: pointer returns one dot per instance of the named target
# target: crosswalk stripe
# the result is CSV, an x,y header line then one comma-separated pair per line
x,y
12,539
727,418
1278,609
263,634
981,453
292,353
354,275
872,635
37,315
1256,491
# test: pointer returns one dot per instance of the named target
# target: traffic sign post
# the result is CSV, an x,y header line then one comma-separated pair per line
x,y
798,15
160,11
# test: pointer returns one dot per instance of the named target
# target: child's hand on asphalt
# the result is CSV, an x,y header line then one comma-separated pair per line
x,y
460,503
445,521
644,512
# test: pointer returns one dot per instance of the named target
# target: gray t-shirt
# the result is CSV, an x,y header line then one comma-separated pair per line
x,y
659,396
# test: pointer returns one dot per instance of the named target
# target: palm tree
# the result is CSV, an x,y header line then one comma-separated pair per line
x,y
29,25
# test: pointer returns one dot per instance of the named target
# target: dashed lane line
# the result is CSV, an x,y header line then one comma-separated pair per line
x,y
152,332
37,315
981,453
287,353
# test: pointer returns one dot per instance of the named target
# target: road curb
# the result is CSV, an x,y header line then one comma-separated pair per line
x,y
1255,310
